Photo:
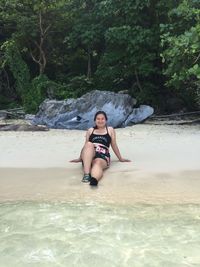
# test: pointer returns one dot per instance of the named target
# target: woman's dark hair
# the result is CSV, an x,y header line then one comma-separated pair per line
x,y
100,112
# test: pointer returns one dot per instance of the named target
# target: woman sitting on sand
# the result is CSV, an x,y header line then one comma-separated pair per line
x,y
95,155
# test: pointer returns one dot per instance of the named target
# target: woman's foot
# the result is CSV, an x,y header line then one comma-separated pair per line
x,y
93,181
86,178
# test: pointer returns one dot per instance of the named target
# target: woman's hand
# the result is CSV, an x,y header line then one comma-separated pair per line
x,y
76,160
124,160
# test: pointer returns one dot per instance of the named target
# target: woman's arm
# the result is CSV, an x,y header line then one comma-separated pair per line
x,y
86,140
115,147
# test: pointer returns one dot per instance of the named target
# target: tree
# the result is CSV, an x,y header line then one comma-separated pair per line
x,y
30,24
181,51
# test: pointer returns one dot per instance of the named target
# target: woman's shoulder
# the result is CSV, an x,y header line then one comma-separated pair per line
x,y
90,130
110,130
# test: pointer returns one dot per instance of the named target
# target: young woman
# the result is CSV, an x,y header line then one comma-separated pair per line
x,y
95,155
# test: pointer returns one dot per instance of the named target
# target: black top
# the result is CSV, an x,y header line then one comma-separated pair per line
x,y
102,139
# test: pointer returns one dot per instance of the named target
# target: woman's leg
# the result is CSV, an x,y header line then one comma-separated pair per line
x,y
98,166
87,155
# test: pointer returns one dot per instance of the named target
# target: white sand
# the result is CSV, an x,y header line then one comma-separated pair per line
x,y
165,166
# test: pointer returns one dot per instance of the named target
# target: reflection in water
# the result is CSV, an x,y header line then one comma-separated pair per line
x,y
93,234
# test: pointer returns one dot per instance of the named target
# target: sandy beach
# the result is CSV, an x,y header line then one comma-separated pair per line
x,y
164,167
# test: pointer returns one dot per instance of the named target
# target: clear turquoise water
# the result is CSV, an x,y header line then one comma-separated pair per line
x,y
93,234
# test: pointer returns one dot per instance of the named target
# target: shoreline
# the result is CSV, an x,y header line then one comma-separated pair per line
x,y
54,184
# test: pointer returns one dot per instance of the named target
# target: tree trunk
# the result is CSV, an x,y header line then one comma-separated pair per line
x,y
138,81
41,58
89,70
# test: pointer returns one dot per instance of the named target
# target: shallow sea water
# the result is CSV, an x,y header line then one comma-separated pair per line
x,y
94,234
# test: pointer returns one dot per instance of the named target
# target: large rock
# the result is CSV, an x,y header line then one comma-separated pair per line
x,y
22,127
139,114
79,113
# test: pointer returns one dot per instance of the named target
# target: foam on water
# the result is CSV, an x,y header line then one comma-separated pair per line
x,y
94,234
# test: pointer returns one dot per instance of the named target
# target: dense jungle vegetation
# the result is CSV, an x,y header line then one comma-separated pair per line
x,y
65,48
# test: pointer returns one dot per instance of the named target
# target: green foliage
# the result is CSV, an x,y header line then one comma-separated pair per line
x,y
180,40
36,94
131,50
150,48
42,88
4,102
79,85
19,69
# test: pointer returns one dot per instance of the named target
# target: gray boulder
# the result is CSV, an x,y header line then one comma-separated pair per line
x,y
29,117
139,114
22,127
79,113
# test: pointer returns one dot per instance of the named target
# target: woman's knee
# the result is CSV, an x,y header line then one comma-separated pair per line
x,y
88,149
99,163
89,145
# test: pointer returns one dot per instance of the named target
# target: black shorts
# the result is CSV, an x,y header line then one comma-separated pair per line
x,y
99,155
105,156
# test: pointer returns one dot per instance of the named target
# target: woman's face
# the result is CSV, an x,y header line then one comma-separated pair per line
x,y
100,120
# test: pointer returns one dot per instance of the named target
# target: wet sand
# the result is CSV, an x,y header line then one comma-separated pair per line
x,y
165,166
120,188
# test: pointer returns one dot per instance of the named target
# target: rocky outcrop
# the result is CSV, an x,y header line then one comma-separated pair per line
x,y
139,114
22,127
79,113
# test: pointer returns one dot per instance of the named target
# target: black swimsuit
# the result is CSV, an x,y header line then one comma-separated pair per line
x,y
102,149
